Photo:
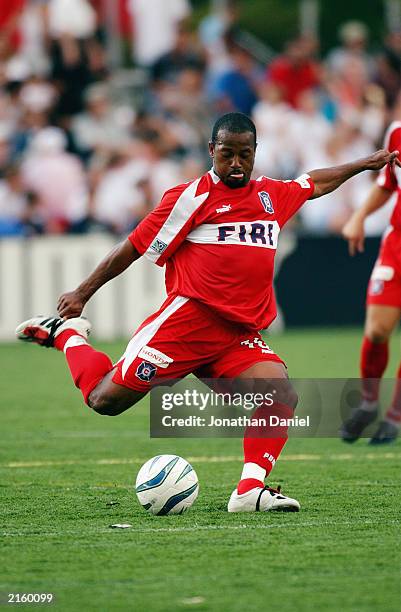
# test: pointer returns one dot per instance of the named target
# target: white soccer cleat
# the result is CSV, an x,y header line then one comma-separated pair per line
x,y
262,500
43,330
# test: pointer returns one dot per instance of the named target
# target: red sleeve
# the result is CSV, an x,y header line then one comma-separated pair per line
x,y
290,195
392,141
160,234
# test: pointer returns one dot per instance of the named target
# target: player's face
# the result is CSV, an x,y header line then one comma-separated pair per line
x,y
233,157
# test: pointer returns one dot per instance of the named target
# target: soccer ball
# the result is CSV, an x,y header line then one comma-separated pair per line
x,y
166,484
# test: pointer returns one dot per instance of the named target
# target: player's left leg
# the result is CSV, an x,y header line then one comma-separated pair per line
x,y
262,446
257,369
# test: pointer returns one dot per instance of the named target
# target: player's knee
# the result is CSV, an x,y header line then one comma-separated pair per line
x,y
103,404
285,393
290,397
378,333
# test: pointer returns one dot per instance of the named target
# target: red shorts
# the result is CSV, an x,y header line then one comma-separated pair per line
x,y
185,336
385,281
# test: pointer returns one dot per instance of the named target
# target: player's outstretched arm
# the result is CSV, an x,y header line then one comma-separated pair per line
x,y
328,179
354,230
119,259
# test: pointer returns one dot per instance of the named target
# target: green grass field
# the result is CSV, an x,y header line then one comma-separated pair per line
x,y
62,467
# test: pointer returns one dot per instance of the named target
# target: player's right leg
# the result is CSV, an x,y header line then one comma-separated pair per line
x,y
91,370
381,320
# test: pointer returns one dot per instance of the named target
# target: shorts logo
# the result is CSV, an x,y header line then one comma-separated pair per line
x,y
146,371
266,202
158,245
257,342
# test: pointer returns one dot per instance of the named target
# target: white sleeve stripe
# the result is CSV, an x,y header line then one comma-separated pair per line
x,y
391,128
183,209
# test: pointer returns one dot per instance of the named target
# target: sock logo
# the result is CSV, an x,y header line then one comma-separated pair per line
x,y
270,458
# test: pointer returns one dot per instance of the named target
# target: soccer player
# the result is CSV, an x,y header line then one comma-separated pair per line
x,y
383,304
217,237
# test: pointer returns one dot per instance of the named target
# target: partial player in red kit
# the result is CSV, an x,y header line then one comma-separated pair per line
x,y
217,237
383,303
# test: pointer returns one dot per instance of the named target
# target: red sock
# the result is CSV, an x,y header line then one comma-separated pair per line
x,y
261,453
394,412
87,366
374,359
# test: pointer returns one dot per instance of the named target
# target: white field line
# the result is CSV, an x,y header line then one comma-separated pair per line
x,y
217,459
214,527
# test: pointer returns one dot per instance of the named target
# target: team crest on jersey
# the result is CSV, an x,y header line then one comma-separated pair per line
x,y
146,371
266,202
158,245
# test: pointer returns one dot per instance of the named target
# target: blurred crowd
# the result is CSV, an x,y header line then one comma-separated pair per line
x,y
80,153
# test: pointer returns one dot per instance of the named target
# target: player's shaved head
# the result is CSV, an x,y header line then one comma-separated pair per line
x,y
235,123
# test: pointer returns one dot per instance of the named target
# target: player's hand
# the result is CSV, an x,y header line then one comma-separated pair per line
x,y
354,232
379,159
70,305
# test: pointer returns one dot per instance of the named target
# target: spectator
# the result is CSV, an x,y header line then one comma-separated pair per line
x,y
309,131
328,215
72,18
151,147
101,128
122,197
183,55
12,203
273,117
354,38
388,67
10,36
5,149
187,112
236,88
295,70
57,178
155,24
29,125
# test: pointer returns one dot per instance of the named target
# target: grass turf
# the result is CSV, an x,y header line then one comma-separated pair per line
x,y
67,474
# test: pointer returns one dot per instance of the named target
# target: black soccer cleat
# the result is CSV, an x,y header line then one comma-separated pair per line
x,y
385,434
359,419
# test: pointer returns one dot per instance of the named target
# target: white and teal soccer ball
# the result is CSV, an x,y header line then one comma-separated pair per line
x,y
167,484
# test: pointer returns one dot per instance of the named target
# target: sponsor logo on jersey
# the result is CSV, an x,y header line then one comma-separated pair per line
x,y
256,233
224,208
266,202
261,234
146,371
257,343
154,356
158,245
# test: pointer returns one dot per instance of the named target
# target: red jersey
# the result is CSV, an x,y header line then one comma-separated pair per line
x,y
387,178
219,243
293,79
